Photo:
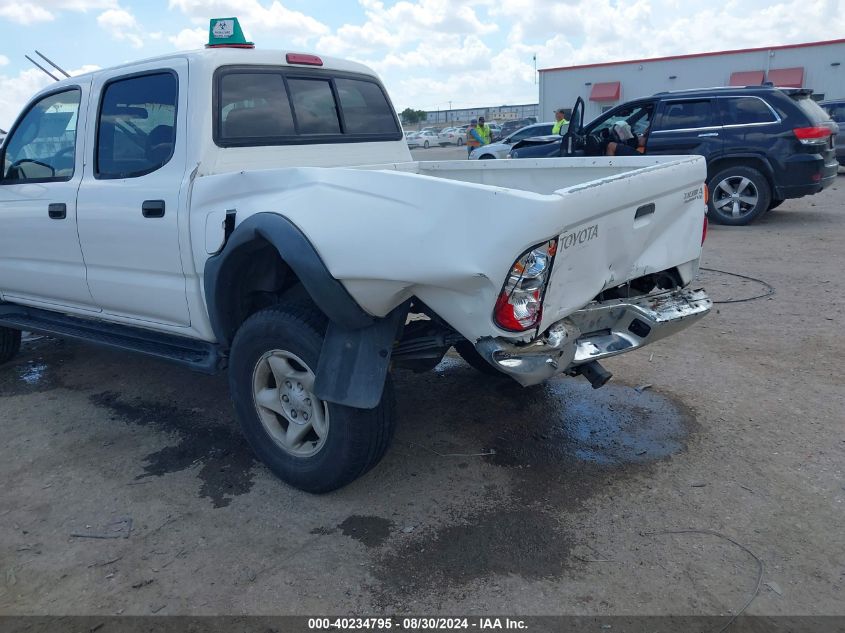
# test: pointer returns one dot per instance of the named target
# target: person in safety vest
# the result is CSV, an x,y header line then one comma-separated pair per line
x,y
474,137
560,121
484,130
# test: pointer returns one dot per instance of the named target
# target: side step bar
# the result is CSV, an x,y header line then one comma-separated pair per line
x,y
197,355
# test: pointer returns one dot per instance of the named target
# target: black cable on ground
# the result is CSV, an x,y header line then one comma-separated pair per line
x,y
769,288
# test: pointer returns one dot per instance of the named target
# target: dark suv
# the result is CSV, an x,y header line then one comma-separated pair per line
x,y
762,144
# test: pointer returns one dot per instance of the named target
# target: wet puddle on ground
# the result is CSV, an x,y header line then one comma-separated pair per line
x,y
611,426
226,461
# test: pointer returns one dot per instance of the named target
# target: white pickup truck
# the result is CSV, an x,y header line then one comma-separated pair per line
x,y
259,211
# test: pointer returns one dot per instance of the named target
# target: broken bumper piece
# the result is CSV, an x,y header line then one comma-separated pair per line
x,y
598,331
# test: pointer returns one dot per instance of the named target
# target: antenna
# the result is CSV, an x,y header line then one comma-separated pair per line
x,y
54,65
40,67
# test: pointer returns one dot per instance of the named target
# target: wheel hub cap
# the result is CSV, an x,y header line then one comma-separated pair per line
x,y
293,417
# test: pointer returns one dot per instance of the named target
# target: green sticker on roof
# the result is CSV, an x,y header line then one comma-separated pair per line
x,y
226,32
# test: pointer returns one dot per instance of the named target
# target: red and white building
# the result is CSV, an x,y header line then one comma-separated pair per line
x,y
816,65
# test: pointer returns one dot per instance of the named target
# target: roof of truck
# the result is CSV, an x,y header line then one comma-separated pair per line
x,y
226,56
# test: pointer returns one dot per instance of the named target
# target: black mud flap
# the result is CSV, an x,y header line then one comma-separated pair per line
x,y
353,363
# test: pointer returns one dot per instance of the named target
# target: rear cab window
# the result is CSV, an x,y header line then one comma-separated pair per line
x,y
283,106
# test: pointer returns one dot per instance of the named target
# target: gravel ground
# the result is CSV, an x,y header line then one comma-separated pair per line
x,y
493,498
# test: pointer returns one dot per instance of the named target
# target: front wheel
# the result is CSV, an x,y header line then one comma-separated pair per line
x,y
738,195
10,344
425,145
311,444
486,157
460,141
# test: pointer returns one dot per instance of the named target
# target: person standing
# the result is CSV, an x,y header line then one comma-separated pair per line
x,y
560,121
484,130
474,137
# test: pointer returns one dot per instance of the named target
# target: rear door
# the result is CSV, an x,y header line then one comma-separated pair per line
x,y
129,200
686,126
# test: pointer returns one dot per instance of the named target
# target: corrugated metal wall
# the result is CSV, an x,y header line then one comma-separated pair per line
x,y
559,88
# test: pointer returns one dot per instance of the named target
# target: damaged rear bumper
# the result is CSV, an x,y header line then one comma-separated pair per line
x,y
598,331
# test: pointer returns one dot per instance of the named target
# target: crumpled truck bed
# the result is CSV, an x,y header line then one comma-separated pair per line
x,y
449,232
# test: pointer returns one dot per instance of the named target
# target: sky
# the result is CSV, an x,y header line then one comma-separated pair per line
x,y
431,54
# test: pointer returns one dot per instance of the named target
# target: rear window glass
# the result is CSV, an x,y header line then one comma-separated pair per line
x,y
254,105
679,115
812,109
313,102
266,107
365,108
745,110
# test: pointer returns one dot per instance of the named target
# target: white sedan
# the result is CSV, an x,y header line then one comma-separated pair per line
x,y
452,136
423,139
501,148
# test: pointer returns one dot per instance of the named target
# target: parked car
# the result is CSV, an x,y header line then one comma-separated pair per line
x,y
452,136
501,148
307,275
495,130
424,139
762,144
509,127
836,110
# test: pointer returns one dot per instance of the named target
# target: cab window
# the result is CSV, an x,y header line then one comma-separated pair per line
x,y
637,116
136,126
42,146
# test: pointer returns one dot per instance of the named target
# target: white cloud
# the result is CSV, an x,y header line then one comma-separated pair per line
x,y
121,25
286,26
18,89
45,10
4,61
189,39
24,13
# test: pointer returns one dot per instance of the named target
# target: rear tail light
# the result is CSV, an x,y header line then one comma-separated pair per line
x,y
704,231
520,304
706,194
812,135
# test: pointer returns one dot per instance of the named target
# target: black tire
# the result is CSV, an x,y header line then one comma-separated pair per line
x,y
486,157
460,141
356,439
774,204
10,344
425,144
467,351
748,184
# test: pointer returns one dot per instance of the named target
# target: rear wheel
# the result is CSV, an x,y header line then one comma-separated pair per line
x,y
738,195
460,141
425,145
10,344
311,444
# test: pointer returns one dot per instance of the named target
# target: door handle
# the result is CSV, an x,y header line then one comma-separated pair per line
x,y
57,210
646,209
709,134
153,208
